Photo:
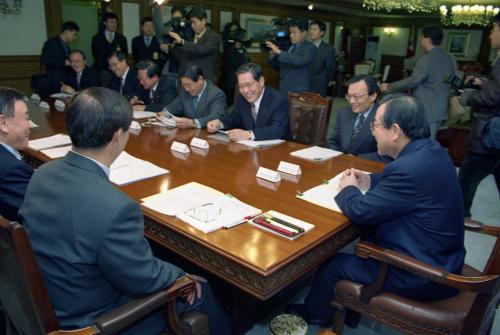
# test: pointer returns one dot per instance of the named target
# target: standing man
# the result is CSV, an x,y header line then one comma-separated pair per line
x,y
55,54
482,160
79,76
294,64
203,51
413,207
105,42
426,80
14,136
157,91
146,46
125,79
261,112
323,66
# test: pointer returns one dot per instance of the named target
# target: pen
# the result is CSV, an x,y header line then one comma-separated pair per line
x,y
273,228
284,223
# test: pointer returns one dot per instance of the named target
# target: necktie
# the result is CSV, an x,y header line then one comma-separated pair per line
x,y
78,79
148,41
110,37
357,129
122,83
195,101
254,112
196,38
151,95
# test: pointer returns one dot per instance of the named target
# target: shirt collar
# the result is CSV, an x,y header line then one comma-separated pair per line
x,y
202,90
12,150
154,88
258,101
201,34
109,32
126,72
365,114
317,43
102,166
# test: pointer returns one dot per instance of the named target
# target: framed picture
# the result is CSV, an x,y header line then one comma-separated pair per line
x,y
458,44
257,27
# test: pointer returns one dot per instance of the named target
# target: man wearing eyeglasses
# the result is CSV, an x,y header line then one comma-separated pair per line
x,y
352,133
261,113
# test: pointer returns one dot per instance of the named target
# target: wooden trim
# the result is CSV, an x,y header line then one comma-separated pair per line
x,y
16,71
53,17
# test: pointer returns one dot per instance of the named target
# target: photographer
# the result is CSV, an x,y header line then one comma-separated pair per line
x,y
294,64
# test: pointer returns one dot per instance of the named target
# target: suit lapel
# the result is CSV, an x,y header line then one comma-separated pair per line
x,y
365,131
262,112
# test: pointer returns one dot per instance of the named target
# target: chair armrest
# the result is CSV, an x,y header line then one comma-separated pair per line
x,y
483,284
479,227
134,310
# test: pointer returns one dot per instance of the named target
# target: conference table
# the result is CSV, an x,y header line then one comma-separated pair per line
x,y
255,261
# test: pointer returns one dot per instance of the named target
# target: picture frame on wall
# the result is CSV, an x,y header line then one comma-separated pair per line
x,y
256,26
458,44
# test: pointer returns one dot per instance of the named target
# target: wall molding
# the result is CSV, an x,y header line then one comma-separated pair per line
x,y
16,71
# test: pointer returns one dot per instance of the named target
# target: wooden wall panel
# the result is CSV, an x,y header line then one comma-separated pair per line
x,y
16,71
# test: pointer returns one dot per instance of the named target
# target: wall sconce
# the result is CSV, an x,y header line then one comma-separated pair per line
x,y
389,31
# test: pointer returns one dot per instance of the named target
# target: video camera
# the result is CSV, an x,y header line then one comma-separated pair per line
x,y
279,35
458,83
239,35
180,26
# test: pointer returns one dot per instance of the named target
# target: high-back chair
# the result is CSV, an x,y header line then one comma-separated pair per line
x,y
26,301
470,312
309,117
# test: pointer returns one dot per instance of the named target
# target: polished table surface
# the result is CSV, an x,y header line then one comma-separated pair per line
x,y
256,261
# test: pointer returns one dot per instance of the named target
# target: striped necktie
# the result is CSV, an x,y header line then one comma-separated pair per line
x,y
357,130
254,112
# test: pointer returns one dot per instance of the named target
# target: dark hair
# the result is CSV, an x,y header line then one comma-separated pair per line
x,y
150,67
69,25
78,51
198,12
300,23
370,82
120,55
435,33
108,15
94,115
408,113
146,19
320,24
191,71
253,68
8,98
178,9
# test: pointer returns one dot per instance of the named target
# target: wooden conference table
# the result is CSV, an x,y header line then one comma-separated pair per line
x,y
255,261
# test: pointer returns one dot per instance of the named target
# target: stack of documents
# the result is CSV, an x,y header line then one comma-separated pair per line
x,y
143,114
316,153
127,169
56,152
261,144
202,207
281,225
49,142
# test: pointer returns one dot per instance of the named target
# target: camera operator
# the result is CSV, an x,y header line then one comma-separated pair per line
x,y
203,50
294,64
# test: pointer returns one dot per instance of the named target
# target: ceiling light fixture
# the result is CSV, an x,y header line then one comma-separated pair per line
x,y
468,15
409,5
310,6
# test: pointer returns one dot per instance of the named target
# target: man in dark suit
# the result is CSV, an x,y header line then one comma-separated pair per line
x,y
413,207
203,51
146,46
105,42
14,136
294,64
199,100
323,66
80,76
261,113
90,246
157,90
55,54
125,79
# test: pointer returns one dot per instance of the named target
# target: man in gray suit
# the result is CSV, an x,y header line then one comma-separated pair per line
x,y
88,236
323,66
294,64
426,80
198,102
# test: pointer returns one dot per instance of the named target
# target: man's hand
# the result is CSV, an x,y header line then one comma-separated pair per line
x,y
239,135
478,81
274,48
138,107
164,47
176,37
198,280
183,123
384,87
213,126
67,89
355,178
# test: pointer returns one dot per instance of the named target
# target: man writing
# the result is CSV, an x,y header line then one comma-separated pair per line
x,y
80,76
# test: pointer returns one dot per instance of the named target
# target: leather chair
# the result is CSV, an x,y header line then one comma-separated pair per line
x,y
309,117
25,298
470,312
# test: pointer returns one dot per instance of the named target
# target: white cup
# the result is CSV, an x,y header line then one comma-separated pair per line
x,y
59,105
35,98
44,106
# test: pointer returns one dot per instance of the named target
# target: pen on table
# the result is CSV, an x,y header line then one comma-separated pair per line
x,y
281,226
274,228
285,223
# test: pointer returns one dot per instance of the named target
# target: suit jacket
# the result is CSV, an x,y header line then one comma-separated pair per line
x,y
90,246
272,117
131,87
164,94
141,52
427,84
55,52
102,49
322,69
14,178
89,79
415,207
203,53
294,67
212,105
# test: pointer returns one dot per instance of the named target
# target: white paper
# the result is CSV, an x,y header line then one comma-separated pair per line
x,y
56,152
260,144
127,169
49,142
316,153
220,137
61,95
143,114
33,124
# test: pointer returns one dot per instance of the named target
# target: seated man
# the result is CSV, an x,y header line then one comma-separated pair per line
x,y
261,112
125,79
199,100
413,207
352,133
90,246
14,135
157,90
80,76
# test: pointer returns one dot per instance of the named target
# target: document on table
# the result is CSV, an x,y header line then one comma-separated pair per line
x,y
316,153
143,114
324,195
261,144
202,207
127,169
49,142
33,124
56,152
